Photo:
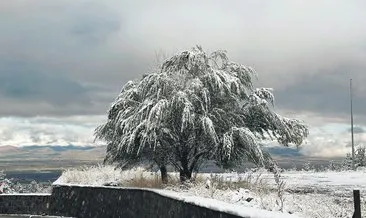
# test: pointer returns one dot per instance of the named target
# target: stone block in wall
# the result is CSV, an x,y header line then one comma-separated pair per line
x,y
34,204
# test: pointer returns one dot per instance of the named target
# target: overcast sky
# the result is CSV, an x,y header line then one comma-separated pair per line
x,y
63,62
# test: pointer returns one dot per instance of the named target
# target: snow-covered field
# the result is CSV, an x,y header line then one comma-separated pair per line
x,y
305,194
324,182
312,194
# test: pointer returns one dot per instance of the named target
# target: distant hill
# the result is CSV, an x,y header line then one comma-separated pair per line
x,y
52,157
8,149
52,152
60,157
283,151
59,148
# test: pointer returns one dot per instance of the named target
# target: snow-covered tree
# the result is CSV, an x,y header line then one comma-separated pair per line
x,y
196,107
360,158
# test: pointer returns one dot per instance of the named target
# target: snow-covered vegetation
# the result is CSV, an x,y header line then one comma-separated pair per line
x,y
304,193
197,107
8,186
193,108
106,175
339,165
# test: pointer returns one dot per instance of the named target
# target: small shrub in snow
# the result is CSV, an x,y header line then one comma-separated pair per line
x,y
307,166
280,194
346,164
333,166
360,157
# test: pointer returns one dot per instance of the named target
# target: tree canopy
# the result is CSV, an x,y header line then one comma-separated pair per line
x,y
196,107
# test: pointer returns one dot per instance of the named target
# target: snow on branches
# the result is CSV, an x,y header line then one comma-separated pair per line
x,y
196,107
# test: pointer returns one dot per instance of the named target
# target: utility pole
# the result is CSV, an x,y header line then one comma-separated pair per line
x,y
353,145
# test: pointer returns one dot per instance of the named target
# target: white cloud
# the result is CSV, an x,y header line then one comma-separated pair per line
x,y
331,140
326,139
329,136
76,130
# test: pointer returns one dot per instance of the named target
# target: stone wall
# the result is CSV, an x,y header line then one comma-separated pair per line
x,y
24,204
87,202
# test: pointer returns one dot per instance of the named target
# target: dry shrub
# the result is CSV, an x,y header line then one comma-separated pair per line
x,y
141,180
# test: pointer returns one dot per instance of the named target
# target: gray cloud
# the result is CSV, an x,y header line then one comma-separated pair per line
x,y
93,27
84,51
23,82
326,92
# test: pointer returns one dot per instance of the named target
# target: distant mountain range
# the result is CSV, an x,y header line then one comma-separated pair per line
x,y
53,157
51,152
56,156
93,152
59,148
282,151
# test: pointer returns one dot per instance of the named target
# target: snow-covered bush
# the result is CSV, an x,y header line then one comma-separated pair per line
x,y
109,175
346,164
6,185
307,166
32,187
360,159
360,156
9,186
333,166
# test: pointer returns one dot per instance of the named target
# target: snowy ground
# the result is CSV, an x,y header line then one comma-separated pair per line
x,y
305,194
321,182
328,182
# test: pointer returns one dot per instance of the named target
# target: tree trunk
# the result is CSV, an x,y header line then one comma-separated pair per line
x,y
185,174
164,174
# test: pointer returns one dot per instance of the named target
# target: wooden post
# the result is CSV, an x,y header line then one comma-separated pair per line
x,y
357,204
